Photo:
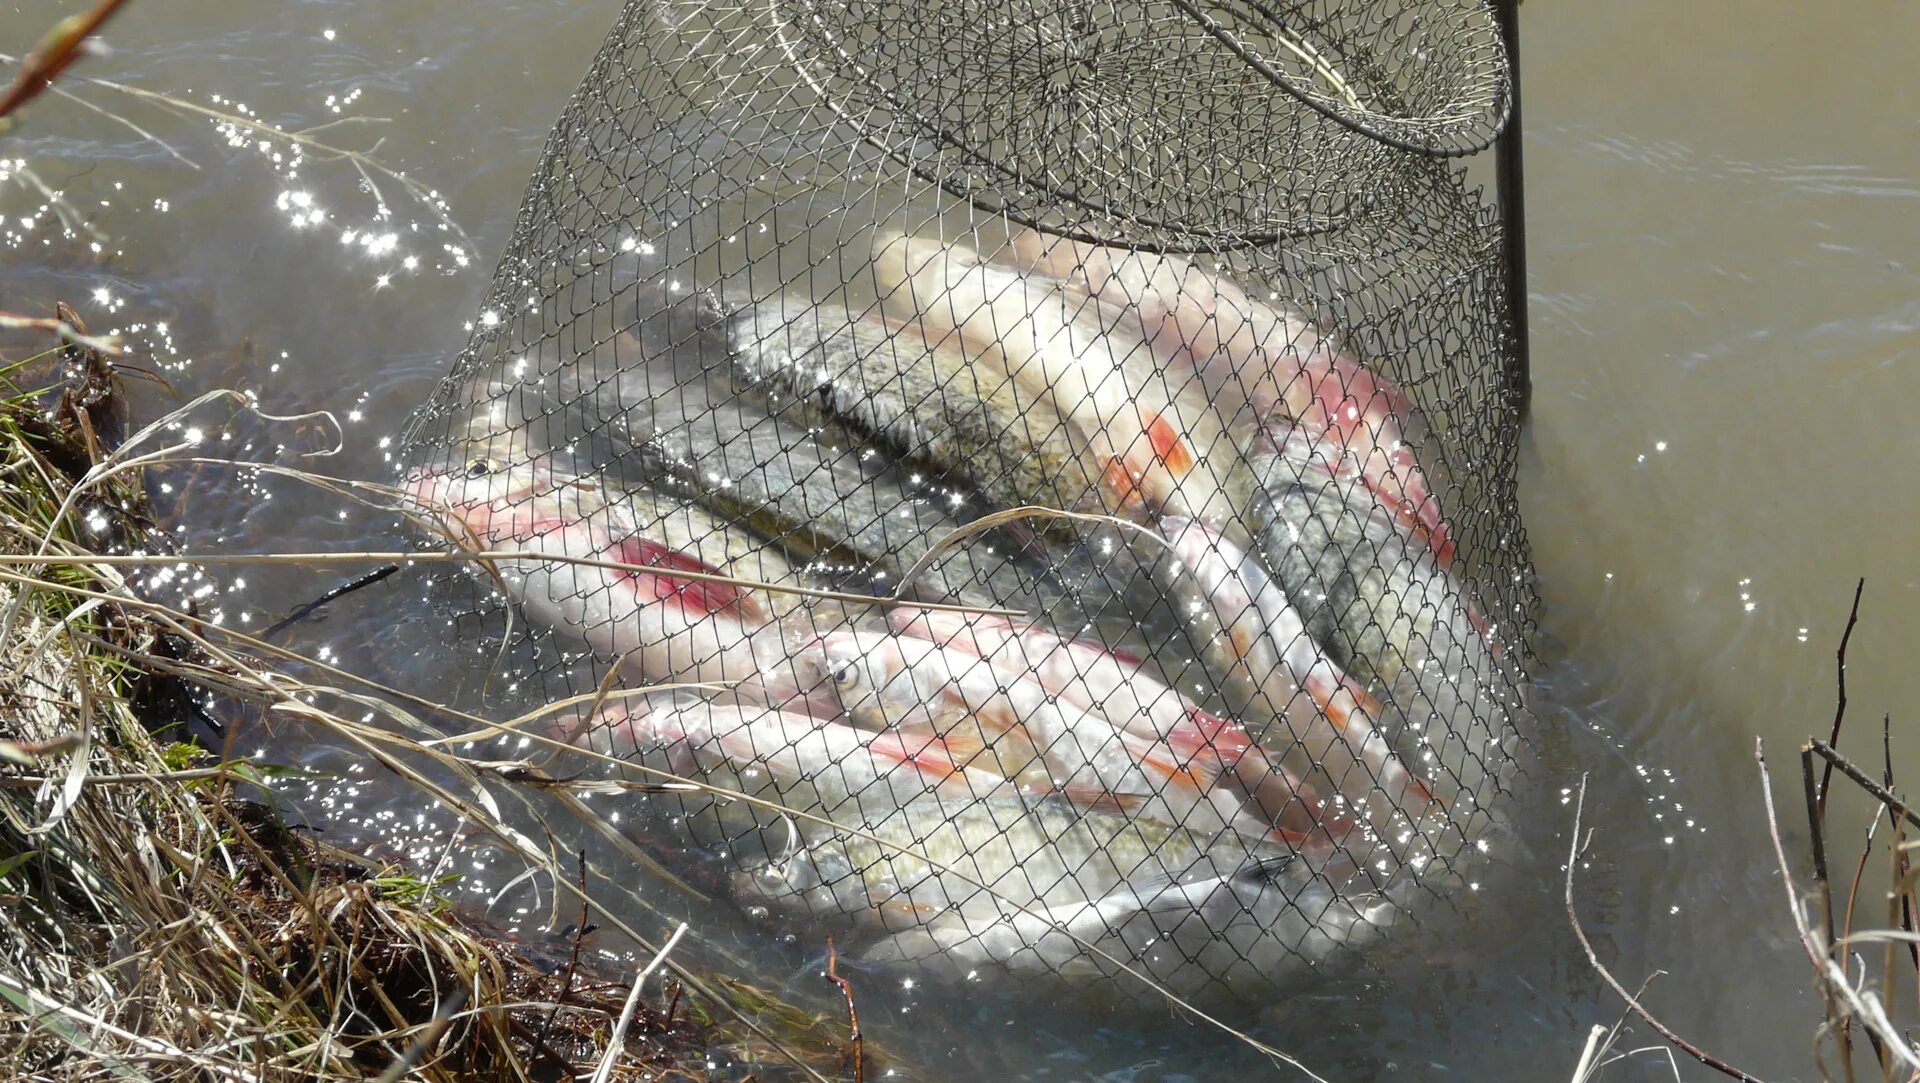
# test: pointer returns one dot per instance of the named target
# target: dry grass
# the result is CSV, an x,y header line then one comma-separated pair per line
x,y
156,924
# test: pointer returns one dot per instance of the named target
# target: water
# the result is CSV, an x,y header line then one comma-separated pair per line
x,y
1721,202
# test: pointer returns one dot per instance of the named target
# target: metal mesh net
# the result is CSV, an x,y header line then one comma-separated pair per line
x,y
1062,455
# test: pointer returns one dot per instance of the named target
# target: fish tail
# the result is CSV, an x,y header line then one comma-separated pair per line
x,y
1287,801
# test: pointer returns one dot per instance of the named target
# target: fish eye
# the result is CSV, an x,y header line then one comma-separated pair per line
x,y
845,676
480,468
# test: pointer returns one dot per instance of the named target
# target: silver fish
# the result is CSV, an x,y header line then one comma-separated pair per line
x,y
1152,443
1258,360
807,764
666,625
927,396
784,467
1026,886
1392,618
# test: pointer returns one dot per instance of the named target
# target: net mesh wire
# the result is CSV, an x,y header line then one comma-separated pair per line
x,y
1072,445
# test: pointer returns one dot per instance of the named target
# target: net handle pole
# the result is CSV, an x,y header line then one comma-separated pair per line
x,y
1513,208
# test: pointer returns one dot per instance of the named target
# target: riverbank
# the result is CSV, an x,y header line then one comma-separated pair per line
x,y
158,918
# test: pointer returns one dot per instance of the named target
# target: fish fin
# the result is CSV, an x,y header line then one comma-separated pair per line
x,y
1420,516
695,596
1282,798
1123,484
1199,771
1481,625
962,748
1169,444
1226,735
1208,734
1097,798
1362,699
1266,868
1287,836
926,755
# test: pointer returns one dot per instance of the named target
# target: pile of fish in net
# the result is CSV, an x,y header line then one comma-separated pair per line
x,y
1055,461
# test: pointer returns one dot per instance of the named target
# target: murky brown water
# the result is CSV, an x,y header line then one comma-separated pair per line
x,y
1725,326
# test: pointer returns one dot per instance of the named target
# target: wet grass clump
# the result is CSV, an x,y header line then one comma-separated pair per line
x,y
156,922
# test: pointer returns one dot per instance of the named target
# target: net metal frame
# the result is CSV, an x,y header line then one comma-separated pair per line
x,y
1049,309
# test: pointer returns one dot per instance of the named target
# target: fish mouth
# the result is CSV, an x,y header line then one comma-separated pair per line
x,y
427,489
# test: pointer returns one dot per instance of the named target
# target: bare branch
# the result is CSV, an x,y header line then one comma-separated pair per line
x,y
1593,959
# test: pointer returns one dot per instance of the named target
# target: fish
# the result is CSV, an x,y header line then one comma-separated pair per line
x,y
1153,446
817,766
1036,887
1117,687
663,625
928,397
1257,360
1392,618
1319,720
830,495
887,680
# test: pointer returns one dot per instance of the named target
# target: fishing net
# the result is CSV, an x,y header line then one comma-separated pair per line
x,y
1061,456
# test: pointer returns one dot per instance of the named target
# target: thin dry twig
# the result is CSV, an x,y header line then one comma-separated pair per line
x,y
1840,677
1593,959
465,556
1833,979
573,951
1891,800
618,1040
362,161
55,53
853,1017
106,344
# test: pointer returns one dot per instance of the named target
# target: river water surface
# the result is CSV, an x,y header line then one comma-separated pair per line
x,y
1725,318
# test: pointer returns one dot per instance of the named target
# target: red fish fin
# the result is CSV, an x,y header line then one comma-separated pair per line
x,y
1199,771
1288,837
1481,625
695,596
1169,444
962,748
925,755
1225,734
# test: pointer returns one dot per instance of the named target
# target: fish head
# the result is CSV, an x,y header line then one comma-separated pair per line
x,y
868,672
488,498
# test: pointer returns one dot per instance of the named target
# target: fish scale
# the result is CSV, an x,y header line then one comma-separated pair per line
x,y
1392,618
1029,885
